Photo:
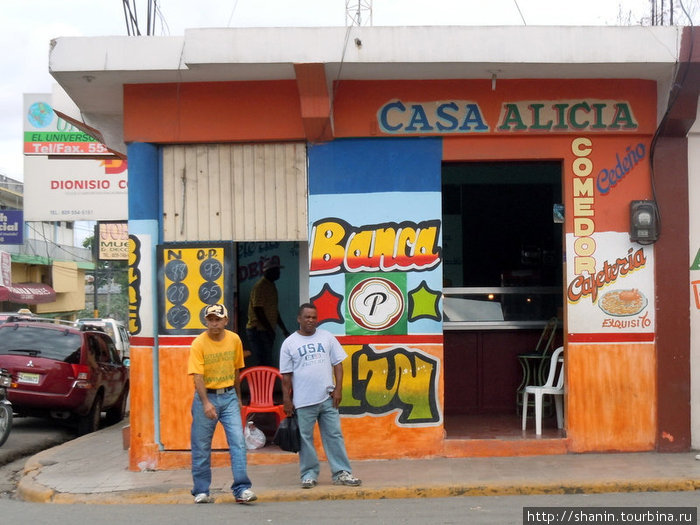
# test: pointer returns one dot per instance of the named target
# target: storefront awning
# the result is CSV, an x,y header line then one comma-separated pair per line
x,y
28,293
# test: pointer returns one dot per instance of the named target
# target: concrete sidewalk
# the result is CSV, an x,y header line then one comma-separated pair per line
x,y
93,469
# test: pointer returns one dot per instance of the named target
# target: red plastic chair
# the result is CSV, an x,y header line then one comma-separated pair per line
x,y
261,383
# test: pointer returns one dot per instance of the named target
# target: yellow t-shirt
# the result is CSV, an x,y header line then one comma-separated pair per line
x,y
217,361
264,294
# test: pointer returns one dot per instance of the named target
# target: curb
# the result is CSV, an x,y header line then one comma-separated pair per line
x,y
30,490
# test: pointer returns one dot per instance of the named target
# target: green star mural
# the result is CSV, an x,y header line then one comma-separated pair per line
x,y
423,303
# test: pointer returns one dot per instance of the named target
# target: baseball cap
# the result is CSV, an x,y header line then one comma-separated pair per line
x,y
219,310
270,264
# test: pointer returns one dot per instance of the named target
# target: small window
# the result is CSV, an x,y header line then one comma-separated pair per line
x,y
113,354
61,345
99,349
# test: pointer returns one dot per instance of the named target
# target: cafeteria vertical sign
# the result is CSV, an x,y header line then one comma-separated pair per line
x,y
45,133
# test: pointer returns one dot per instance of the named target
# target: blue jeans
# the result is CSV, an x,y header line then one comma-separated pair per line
x,y
262,348
229,414
332,437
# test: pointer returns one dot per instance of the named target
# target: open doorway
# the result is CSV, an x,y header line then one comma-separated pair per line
x,y
503,275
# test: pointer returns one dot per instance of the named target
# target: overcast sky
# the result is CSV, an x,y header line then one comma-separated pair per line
x,y
27,26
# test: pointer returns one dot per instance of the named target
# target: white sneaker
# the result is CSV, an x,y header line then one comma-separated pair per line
x,y
308,483
246,496
345,478
203,498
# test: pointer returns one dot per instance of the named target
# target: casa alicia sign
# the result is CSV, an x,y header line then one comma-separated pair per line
x,y
399,117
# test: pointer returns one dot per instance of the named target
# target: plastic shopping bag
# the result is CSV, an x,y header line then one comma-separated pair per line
x,y
254,437
287,436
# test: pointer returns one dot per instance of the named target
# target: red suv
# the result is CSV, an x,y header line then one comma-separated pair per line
x,y
62,371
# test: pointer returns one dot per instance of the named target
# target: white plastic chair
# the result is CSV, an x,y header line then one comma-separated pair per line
x,y
556,390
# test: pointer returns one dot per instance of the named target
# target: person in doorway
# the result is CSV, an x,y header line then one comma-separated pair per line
x,y
216,356
264,317
312,382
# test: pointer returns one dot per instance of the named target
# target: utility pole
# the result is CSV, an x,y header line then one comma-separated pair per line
x,y
95,311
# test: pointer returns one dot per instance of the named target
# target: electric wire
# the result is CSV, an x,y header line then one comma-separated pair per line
x,y
233,10
673,96
520,12
336,82
42,237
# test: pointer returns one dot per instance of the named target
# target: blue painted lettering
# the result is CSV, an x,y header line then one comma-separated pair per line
x,y
431,117
444,115
608,178
384,115
418,116
473,116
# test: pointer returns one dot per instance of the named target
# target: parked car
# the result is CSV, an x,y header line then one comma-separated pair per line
x,y
63,370
115,329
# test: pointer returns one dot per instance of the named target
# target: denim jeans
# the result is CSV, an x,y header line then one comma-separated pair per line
x,y
229,414
332,437
262,348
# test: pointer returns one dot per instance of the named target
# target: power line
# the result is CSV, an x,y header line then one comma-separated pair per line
x,y
520,12
48,242
131,17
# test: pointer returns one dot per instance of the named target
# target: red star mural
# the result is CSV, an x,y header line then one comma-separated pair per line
x,y
327,303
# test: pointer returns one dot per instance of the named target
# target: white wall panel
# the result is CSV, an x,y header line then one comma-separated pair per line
x,y
694,275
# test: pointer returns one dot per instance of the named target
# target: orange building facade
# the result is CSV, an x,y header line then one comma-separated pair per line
x,y
376,225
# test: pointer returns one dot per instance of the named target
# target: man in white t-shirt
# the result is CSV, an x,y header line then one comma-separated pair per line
x,y
312,382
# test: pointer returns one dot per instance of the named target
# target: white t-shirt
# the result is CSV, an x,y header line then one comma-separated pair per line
x,y
310,359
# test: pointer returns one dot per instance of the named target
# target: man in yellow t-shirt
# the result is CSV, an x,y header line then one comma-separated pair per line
x,y
215,358
264,317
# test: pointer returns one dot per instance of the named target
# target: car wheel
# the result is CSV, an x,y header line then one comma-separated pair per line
x,y
91,422
116,413
5,422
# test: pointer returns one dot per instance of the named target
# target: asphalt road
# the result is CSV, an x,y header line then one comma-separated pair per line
x,y
496,510
30,435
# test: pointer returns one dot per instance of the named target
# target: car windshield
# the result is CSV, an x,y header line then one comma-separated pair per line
x,y
61,345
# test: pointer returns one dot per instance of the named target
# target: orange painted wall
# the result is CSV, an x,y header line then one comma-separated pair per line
x,y
372,436
176,393
263,111
611,397
143,451
212,112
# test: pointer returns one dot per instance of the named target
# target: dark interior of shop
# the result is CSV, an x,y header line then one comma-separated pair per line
x,y
503,272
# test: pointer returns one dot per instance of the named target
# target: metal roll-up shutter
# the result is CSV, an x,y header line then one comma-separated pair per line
x,y
240,192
